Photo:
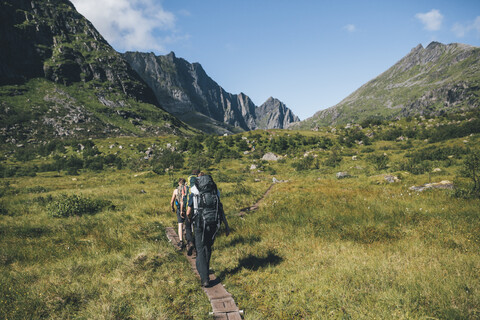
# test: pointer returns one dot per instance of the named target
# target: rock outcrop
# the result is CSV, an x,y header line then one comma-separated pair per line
x,y
274,114
72,81
186,91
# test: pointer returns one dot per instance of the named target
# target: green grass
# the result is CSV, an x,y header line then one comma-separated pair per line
x,y
318,247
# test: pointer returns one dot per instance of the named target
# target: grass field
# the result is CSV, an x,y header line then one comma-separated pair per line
x,y
318,247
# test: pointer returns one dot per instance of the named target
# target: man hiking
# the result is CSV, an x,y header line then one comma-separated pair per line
x,y
189,221
207,213
178,201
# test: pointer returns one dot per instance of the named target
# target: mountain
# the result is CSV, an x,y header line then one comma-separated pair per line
x,y
274,114
60,78
434,80
190,94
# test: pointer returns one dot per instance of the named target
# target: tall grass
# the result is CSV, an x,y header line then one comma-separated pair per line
x,y
317,248
350,249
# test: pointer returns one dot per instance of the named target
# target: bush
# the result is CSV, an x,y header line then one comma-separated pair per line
x,y
306,163
3,210
74,205
167,160
471,169
333,159
379,161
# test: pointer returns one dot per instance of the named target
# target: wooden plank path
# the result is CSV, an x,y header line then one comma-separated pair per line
x,y
223,305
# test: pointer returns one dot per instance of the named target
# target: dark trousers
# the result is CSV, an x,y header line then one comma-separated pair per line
x,y
188,230
204,238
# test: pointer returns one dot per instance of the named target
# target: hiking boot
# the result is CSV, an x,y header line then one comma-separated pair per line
x,y
190,248
181,245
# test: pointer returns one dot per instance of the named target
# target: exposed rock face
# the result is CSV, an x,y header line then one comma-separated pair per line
x,y
433,80
72,82
274,114
51,39
188,92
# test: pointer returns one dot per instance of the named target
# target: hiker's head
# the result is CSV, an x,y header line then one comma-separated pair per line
x,y
201,174
181,181
195,172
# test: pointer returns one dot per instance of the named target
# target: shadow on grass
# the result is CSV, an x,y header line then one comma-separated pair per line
x,y
253,263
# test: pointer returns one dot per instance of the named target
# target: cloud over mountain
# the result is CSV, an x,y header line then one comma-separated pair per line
x,y
130,24
432,20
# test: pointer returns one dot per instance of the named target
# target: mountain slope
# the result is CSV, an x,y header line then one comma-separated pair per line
x,y
189,93
433,80
49,45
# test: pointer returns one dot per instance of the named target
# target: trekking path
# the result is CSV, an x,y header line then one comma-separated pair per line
x,y
244,211
223,305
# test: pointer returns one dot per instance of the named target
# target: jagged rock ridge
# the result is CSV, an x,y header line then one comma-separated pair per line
x,y
190,94
433,80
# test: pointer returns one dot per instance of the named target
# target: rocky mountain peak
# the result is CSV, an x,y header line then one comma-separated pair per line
x,y
186,91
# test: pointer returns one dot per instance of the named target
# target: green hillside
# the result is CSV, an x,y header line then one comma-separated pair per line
x,y
59,78
434,80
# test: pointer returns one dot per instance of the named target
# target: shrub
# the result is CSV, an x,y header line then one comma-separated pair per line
x,y
414,167
199,161
333,159
379,161
166,160
74,205
3,210
305,163
471,169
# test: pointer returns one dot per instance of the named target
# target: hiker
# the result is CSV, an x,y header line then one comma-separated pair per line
x,y
178,200
207,213
188,220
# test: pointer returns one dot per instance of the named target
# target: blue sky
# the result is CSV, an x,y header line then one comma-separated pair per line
x,y
310,54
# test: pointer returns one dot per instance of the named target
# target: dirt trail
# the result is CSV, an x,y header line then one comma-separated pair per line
x,y
246,210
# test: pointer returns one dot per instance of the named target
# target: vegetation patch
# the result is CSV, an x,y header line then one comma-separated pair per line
x,y
74,205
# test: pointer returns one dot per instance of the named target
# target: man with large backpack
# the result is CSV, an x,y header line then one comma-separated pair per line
x,y
207,212
189,221
178,200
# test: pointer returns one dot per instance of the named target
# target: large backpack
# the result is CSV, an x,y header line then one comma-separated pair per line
x,y
179,197
207,200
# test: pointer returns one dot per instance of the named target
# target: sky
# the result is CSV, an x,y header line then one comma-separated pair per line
x,y
309,54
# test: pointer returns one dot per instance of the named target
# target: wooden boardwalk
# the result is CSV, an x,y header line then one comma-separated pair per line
x,y
223,305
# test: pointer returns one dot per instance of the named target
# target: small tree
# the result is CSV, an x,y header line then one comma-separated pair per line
x,y
471,169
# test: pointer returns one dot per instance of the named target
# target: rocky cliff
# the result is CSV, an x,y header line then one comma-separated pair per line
x,y
50,40
186,91
274,114
433,80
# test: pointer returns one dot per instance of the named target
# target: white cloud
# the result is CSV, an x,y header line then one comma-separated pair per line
x,y
141,25
461,30
432,20
350,28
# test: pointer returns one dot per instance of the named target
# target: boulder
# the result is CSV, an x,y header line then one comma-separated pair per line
x,y
445,184
270,156
342,175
